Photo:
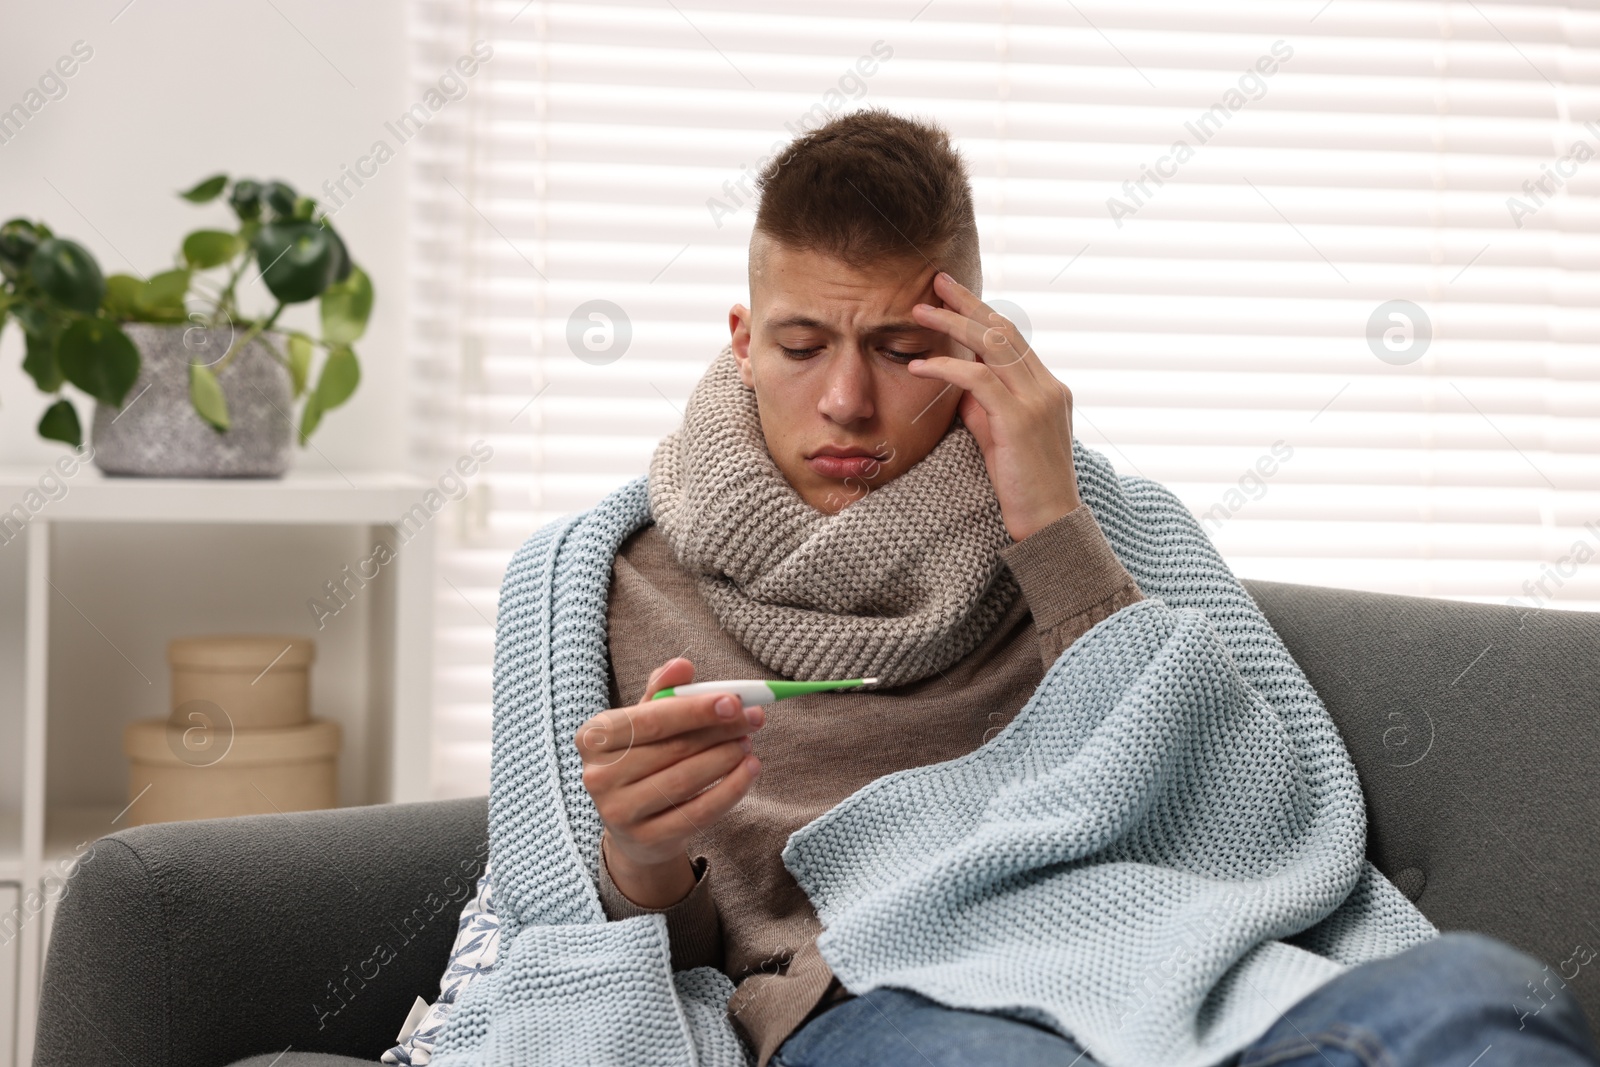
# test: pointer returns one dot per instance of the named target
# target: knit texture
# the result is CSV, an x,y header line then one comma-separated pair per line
x,y
1160,853
900,584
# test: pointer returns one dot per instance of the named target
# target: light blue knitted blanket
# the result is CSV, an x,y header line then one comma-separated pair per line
x,y
1162,851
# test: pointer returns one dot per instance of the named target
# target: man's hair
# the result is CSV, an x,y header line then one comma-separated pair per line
x,y
870,185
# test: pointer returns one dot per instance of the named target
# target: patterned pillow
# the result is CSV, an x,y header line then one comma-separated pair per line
x,y
476,948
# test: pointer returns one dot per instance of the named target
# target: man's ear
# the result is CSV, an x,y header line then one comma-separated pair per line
x,y
739,327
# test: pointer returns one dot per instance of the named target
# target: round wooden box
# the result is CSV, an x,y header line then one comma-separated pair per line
x,y
211,772
257,681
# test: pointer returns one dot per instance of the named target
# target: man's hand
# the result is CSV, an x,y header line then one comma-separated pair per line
x,y
1020,414
659,771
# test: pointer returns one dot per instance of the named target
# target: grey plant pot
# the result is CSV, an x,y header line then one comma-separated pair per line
x,y
158,434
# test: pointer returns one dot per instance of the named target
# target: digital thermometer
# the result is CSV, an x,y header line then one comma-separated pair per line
x,y
754,691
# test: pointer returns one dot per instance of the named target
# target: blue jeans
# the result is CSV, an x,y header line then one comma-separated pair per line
x,y
1460,1000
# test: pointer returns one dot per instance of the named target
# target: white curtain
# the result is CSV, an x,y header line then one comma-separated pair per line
x,y
1325,268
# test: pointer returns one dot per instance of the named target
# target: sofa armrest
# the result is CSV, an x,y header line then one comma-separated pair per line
x,y
196,944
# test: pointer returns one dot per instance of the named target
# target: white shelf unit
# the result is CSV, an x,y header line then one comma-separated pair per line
x,y
37,840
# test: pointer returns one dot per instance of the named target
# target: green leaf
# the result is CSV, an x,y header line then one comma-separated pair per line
x,y
309,418
280,196
206,190
161,298
121,301
68,274
304,208
346,306
299,361
296,259
60,423
205,392
40,316
339,378
18,239
204,249
40,361
341,255
98,358
246,199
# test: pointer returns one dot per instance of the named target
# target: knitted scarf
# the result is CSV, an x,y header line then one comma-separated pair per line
x,y
901,583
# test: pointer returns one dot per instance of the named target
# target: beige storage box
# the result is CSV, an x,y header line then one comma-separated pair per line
x,y
223,772
258,680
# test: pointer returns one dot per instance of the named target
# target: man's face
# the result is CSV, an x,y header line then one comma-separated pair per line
x,y
825,347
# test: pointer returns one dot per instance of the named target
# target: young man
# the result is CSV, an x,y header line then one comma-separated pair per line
x,y
877,478
858,345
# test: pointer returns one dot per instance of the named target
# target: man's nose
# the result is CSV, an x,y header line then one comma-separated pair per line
x,y
847,393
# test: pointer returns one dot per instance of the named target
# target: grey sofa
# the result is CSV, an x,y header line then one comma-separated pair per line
x,y
1473,728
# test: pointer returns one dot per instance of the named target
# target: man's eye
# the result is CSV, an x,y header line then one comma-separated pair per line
x,y
799,353
907,356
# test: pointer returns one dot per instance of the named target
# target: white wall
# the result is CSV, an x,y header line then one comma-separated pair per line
x,y
174,92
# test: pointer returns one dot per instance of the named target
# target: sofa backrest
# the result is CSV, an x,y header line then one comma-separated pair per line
x,y
1475,729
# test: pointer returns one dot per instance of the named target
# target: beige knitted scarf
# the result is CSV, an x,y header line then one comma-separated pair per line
x,y
901,583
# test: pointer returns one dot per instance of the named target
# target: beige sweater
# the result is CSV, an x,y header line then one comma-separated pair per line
x,y
746,915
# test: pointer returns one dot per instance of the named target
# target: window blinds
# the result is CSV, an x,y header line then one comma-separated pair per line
x,y
1325,268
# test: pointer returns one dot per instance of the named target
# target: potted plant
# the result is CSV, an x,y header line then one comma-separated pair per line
x,y
185,383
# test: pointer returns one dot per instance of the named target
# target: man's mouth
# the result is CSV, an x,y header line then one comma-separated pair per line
x,y
844,461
